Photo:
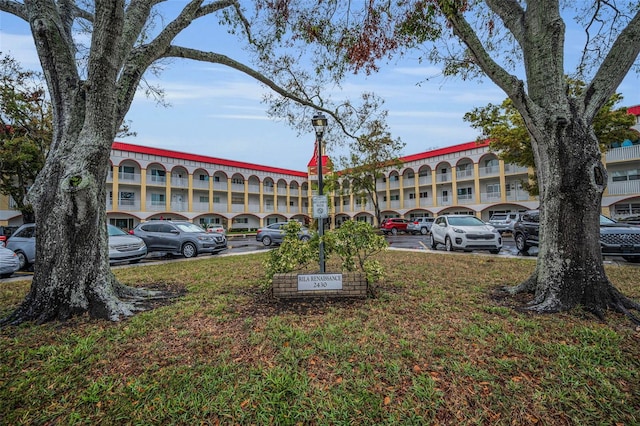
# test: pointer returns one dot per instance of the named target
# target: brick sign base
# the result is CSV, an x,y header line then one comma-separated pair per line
x,y
354,284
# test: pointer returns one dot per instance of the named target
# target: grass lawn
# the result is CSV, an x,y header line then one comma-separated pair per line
x,y
439,345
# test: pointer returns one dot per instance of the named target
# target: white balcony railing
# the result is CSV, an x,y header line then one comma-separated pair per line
x,y
623,153
156,180
128,177
444,177
490,197
464,174
444,201
466,199
179,206
178,182
489,171
409,182
200,184
424,180
512,169
624,187
200,206
219,186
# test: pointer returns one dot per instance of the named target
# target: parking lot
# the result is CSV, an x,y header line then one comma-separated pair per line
x,y
247,243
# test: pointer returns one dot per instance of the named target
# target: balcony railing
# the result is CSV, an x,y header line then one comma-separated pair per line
x,y
518,196
156,180
464,174
490,197
489,171
512,169
178,182
255,188
219,207
156,206
179,206
130,206
424,180
128,177
444,201
200,206
200,184
267,189
466,199
409,182
624,187
237,208
444,177
219,186
624,153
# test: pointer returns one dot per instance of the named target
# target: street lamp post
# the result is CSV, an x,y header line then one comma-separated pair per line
x,y
319,122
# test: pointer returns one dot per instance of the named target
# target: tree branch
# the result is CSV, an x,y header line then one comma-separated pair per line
x,y
14,8
614,68
198,55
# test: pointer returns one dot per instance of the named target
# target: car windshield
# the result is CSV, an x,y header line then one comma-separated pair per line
x,y
498,217
606,221
189,227
113,230
465,221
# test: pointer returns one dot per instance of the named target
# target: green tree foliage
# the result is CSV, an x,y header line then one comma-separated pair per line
x,y
373,153
505,128
25,132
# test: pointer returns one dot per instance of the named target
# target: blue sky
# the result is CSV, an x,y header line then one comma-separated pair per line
x,y
217,111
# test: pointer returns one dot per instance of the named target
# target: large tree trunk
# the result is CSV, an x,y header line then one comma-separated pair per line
x,y
72,273
569,268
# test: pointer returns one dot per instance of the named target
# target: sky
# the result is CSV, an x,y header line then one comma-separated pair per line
x,y
217,111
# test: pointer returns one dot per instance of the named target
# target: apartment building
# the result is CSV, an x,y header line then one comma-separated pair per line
x,y
152,183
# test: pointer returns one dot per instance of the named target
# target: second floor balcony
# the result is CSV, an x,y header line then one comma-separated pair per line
x,y
624,187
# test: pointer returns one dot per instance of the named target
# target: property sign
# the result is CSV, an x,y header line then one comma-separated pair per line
x,y
320,282
320,207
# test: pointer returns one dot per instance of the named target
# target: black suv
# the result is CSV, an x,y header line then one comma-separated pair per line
x,y
616,239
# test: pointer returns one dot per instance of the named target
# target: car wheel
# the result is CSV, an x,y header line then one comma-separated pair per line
x,y
632,259
424,231
394,231
447,244
266,241
23,260
189,250
521,242
434,244
305,238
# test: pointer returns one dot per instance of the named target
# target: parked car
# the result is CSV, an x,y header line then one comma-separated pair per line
x,y
216,228
274,234
465,232
616,238
179,237
124,247
420,225
504,222
9,262
5,233
394,225
23,243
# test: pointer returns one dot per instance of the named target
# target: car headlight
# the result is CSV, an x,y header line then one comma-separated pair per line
x,y
458,231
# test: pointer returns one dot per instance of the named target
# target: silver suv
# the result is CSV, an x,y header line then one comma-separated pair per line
x,y
420,225
504,222
184,238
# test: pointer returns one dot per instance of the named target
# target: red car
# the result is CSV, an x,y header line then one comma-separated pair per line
x,y
394,225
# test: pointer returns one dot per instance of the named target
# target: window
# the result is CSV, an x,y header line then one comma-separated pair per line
x,y
424,173
237,200
127,198
158,199
216,199
216,178
424,194
493,190
445,195
244,220
126,173
395,197
204,178
412,196
465,193
204,198
237,181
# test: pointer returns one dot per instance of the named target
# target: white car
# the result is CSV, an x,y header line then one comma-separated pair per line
x,y
464,232
9,262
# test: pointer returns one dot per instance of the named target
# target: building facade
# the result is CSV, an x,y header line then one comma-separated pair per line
x,y
151,183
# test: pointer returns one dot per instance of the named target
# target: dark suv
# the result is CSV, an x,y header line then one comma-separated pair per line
x,y
616,239
184,238
394,225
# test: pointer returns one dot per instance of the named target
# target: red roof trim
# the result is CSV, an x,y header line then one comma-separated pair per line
x,y
122,146
635,110
313,162
443,151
